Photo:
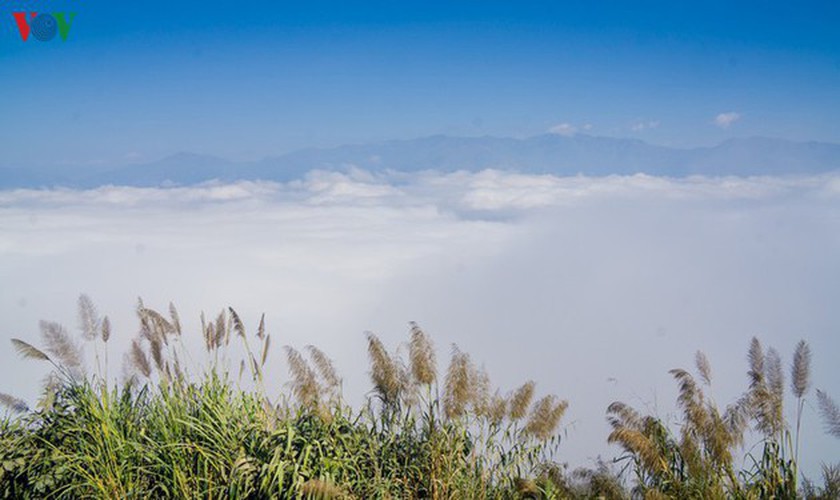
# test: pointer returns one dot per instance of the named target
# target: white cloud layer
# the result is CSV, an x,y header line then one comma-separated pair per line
x,y
724,120
594,287
566,129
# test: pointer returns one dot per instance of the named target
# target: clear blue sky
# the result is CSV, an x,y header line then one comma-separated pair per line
x,y
138,80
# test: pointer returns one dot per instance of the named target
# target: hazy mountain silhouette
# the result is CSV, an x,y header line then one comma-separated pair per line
x,y
549,153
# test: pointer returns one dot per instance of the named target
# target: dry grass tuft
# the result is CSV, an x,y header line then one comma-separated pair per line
x,y
14,404
222,331
157,353
830,413
756,359
801,369
482,397
61,346
545,417
325,368
388,381
304,383
521,400
736,420
266,345
154,324
634,441
691,400
261,328
175,319
422,355
765,393
106,329
238,326
459,389
29,351
498,409
622,415
774,406
88,318
139,360
703,367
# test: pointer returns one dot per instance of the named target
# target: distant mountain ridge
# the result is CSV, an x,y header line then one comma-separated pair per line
x,y
542,154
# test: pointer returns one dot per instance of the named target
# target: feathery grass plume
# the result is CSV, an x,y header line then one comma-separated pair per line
x,y
157,353
139,361
60,345
622,415
736,420
14,404
498,409
545,417
800,382
760,396
629,432
158,325
175,319
261,328
459,389
521,400
266,344
636,434
776,385
830,413
422,355
716,440
210,337
305,385
88,318
238,327
325,368
384,373
208,344
106,329
756,359
801,369
691,400
146,327
29,351
703,367
319,489
482,399
222,330
774,374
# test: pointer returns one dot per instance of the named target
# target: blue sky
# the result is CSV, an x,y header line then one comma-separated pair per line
x,y
619,268
139,80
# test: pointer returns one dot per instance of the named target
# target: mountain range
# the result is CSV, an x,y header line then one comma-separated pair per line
x,y
542,154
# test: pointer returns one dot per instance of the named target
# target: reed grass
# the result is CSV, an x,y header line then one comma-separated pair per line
x,y
164,433
172,429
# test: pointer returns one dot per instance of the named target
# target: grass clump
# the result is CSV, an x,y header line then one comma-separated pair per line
x,y
172,429
701,459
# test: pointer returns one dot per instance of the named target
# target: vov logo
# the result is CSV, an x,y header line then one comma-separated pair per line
x,y
44,26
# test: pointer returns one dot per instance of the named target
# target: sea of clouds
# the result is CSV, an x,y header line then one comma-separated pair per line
x,y
593,287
